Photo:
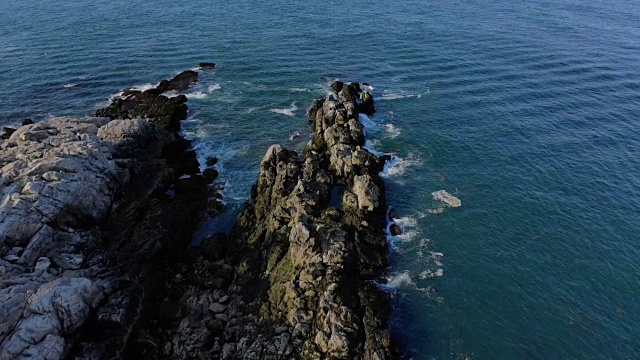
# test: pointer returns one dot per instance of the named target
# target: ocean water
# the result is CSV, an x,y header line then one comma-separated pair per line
x,y
526,111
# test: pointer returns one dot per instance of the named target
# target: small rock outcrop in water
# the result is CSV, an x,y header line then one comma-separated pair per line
x,y
83,219
152,104
448,200
207,65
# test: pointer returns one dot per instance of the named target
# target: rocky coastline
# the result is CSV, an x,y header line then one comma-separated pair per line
x,y
96,218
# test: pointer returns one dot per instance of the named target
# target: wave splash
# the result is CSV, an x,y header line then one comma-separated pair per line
x,y
288,112
391,130
388,95
397,166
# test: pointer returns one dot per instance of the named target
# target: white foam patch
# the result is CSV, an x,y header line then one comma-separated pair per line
x,y
409,226
145,87
406,222
436,256
196,95
299,90
214,87
431,273
391,130
388,95
66,86
398,166
289,112
250,110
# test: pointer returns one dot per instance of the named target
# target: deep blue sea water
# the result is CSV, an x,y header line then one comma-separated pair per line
x,y
526,111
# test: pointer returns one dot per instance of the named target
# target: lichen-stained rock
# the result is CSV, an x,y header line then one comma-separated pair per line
x,y
79,222
304,264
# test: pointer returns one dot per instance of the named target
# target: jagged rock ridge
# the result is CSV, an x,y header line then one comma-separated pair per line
x,y
309,244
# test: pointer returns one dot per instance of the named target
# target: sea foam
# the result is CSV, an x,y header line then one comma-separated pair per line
x,y
371,145
397,165
196,95
289,112
142,87
401,280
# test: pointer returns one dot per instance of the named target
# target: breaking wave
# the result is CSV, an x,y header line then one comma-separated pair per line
x,y
397,165
289,112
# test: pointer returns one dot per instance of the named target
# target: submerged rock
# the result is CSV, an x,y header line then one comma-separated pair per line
x,y
207,65
367,106
211,161
446,198
100,217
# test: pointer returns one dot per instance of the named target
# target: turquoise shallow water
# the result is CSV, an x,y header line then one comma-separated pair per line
x,y
525,111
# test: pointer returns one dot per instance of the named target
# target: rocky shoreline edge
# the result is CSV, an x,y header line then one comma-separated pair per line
x,y
96,218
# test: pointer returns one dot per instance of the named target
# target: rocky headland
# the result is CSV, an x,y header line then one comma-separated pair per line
x,y
96,218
